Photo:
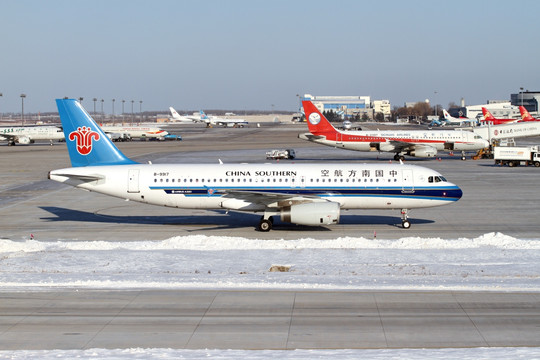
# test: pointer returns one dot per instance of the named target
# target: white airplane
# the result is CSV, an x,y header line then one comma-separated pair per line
x,y
135,132
307,194
450,120
29,134
214,120
179,118
419,143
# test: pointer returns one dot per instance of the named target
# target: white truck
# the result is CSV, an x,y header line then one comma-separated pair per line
x,y
517,155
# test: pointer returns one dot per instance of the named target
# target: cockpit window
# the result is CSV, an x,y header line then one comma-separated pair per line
x,y
436,179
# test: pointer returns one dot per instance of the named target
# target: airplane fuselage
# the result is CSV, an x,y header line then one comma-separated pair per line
x,y
441,140
237,186
28,134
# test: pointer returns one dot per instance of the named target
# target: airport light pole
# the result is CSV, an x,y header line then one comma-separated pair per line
x,y
22,108
102,113
113,110
94,106
140,109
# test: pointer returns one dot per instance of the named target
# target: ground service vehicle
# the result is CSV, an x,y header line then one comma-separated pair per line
x,y
281,154
517,155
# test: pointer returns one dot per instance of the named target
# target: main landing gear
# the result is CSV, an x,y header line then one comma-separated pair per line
x,y
265,225
398,157
404,219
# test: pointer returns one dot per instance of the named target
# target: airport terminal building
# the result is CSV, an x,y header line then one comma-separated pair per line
x,y
348,106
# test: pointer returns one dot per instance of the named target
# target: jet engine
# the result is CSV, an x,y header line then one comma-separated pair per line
x,y
24,140
315,213
423,151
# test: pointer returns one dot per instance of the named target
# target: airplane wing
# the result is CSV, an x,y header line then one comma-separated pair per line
x,y
402,146
269,198
8,136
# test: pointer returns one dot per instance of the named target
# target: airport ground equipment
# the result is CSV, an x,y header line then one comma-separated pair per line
x,y
281,154
517,155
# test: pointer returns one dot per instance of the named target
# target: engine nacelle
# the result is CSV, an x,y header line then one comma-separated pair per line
x,y
24,140
382,146
426,151
315,213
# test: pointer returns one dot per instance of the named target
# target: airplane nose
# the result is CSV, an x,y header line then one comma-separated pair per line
x,y
459,193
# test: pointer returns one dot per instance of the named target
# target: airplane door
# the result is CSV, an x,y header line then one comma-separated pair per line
x,y
407,181
339,139
133,181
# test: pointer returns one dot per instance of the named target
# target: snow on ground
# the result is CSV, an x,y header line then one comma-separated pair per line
x,y
371,354
490,262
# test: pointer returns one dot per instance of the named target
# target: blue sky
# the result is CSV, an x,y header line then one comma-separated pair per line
x,y
252,54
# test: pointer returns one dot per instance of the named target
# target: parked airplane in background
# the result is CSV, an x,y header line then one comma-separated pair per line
x,y
179,118
214,120
29,134
307,194
525,116
450,120
488,117
134,132
419,143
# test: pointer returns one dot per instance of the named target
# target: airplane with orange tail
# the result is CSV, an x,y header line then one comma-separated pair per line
x,y
525,116
488,117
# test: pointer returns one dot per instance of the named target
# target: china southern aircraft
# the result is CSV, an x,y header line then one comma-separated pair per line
x,y
306,194
419,143
29,134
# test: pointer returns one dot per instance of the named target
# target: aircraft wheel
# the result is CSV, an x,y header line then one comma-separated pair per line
x,y
406,224
265,225
396,157
463,158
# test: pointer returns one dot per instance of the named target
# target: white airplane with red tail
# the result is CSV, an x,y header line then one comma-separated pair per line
x,y
419,143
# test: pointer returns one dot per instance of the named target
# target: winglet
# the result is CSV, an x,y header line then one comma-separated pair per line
x,y
87,144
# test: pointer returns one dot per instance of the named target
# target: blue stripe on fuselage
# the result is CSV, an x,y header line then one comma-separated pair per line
x,y
449,194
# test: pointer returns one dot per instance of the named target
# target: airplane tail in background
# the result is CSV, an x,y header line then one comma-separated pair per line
x,y
87,144
317,122
204,117
447,115
487,115
174,113
525,116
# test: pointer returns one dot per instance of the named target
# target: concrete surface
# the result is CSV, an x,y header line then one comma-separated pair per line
x,y
194,319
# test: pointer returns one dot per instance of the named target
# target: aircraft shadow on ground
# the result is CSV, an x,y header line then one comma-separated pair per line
x,y
219,220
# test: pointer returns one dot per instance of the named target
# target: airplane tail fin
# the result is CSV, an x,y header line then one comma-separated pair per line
x,y
87,144
446,115
487,114
317,122
525,114
174,113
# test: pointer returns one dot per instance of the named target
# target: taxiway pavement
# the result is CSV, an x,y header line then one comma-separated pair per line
x,y
194,319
